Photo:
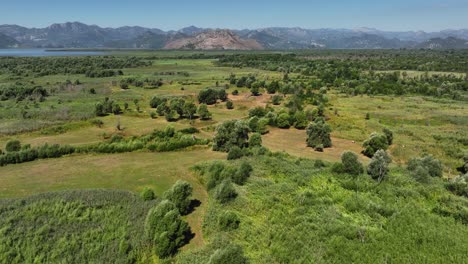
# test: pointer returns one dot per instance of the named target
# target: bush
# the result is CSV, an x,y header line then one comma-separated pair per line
x,y
13,145
235,92
378,167
300,120
351,164
319,164
243,173
228,221
282,121
318,133
231,254
428,163
375,142
235,153
255,140
225,191
276,99
459,185
258,112
229,104
389,135
179,195
148,194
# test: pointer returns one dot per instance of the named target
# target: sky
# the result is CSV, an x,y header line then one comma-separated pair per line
x,y
397,15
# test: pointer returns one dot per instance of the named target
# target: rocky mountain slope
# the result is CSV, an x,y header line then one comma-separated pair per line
x,y
7,42
214,40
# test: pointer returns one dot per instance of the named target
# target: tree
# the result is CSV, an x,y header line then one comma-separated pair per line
x,y
235,153
99,110
231,133
177,105
255,140
171,116
231,254
225,191
208,96
189,109
179,195
351,163
116,109
389,135
375,142
282,121
203,112
378,167
318,133
243,173
156,101
166,230
13,146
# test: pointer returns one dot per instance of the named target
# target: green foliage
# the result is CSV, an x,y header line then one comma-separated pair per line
x,y
13,146
166,230
148,194
375,142
282,121
231,133
242,174
300,120
428,164
179,195
228,221
203,112
74,227
225,192
276,99
459,185
378,167
231,254
209,96
318,133
389,135
255,140
351,164
235,153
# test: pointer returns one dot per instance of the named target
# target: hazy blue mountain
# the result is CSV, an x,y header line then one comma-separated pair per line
x,y
6,41
444,43
79,35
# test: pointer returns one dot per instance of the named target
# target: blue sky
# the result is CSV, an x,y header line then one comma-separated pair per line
x,y
428,15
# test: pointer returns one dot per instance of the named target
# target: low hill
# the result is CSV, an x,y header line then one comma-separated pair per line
x,y
214,40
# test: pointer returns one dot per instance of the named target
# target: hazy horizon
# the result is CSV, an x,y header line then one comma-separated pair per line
x,y
399,15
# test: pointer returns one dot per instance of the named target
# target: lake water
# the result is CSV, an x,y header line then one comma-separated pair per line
x,y
45,53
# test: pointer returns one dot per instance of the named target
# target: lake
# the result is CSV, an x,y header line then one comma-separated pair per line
x,y
46,53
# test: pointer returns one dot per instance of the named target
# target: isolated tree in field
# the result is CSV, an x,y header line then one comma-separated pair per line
x,y
229,104
231,133
13,145
351,163
318,133
208,96
378,167
179,195
203,112
375,142
166,230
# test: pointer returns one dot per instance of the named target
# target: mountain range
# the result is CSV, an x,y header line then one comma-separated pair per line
x,y
79,35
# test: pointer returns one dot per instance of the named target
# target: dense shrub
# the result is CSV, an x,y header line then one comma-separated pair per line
x,y
389,135
13,145
148,194
225,191
428,164
203,112
375,142
255,140
459,185
243,173
231,254
209,96
235,153
228,221
300,120
351,164
282,121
